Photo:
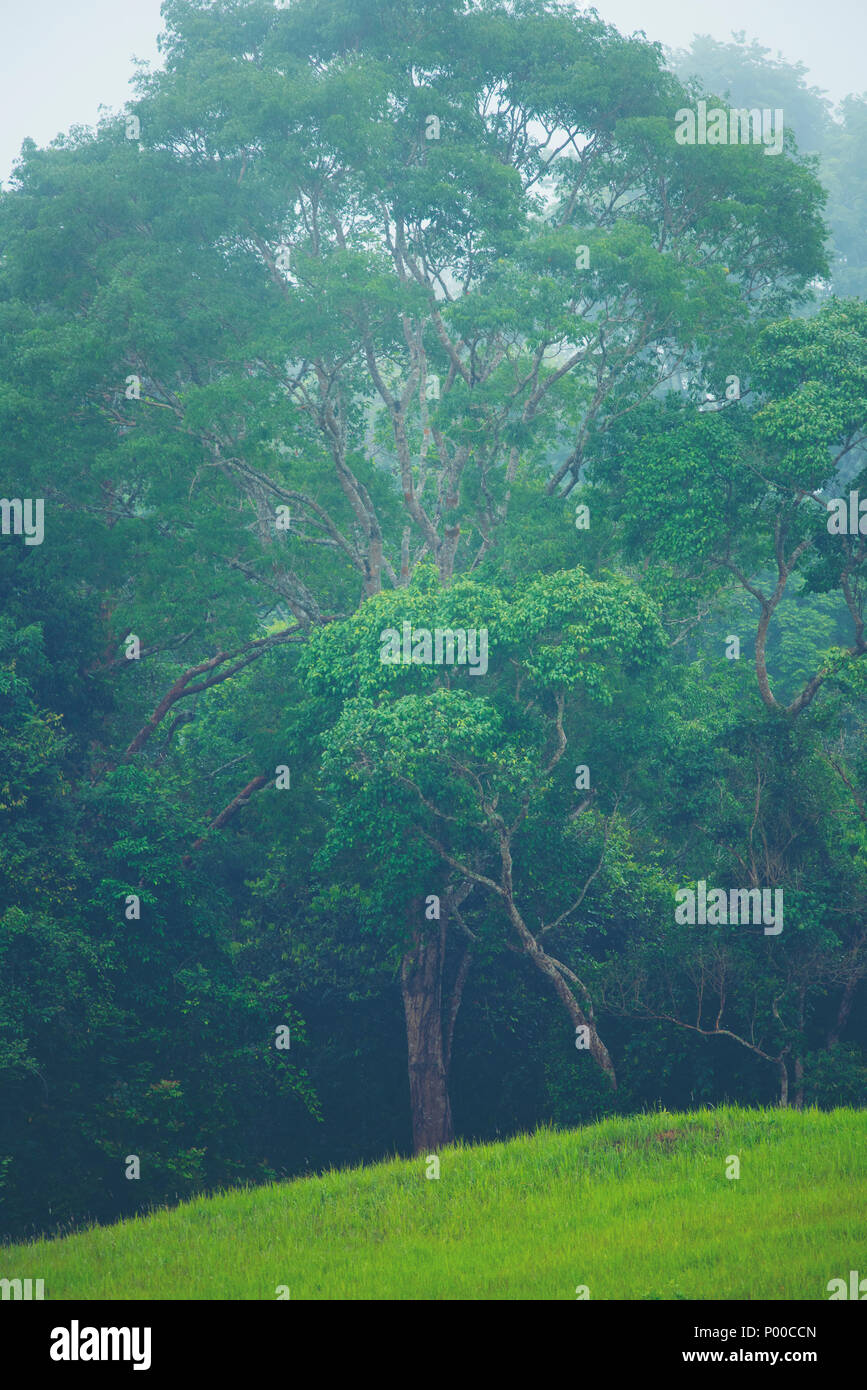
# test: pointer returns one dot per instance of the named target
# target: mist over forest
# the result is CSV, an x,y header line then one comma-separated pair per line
x,y
432,680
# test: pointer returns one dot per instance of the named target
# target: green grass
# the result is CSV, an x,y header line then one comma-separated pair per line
x,y
636,1208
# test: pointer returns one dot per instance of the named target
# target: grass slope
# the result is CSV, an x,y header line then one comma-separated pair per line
x,y
636,1208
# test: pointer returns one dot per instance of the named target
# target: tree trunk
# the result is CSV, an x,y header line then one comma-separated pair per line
x,y
784,1083
799,1061
799,1083
421,978
847,999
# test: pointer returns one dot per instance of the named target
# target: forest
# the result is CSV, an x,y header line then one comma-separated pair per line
x,y
432,680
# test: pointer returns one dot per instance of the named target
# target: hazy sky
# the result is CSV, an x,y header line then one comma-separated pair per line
x,y
59,59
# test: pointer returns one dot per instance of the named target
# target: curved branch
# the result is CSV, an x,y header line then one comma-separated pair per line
x,y
182,687
229,811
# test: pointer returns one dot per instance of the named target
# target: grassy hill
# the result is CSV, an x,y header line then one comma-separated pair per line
x,y
636,1208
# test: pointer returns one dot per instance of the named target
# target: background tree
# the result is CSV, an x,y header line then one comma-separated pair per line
x,y
747,74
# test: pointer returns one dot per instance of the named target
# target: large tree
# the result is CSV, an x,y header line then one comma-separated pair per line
x,y
465,775
347,279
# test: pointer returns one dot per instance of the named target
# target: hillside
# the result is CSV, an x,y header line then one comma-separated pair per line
x,y
636,1208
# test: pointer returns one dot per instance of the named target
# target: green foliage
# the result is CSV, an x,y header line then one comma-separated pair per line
x,y
298,368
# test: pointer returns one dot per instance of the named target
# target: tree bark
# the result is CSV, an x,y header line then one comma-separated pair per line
x,y
554,971
847,999
421,978
799,1083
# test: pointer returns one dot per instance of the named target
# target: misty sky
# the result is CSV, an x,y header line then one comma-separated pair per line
x,y
59,59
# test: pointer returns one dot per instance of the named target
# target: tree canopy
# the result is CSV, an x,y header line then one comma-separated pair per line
x,y
422,432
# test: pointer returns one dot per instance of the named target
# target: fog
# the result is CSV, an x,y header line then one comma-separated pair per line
x,y
58,62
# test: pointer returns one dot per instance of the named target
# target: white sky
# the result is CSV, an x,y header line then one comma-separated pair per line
x,y
59,59
829,36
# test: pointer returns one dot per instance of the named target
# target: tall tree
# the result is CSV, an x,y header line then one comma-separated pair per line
x,y
296,327
471,766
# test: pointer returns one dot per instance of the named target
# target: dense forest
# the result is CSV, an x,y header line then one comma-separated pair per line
x,y
431,599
